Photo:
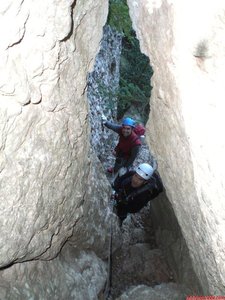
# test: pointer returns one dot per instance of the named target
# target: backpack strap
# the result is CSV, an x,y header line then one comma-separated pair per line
x,y
144,188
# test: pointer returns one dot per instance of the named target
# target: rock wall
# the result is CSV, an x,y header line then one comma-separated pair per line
x,y
184,41
47,49
77,276
103,84
170,240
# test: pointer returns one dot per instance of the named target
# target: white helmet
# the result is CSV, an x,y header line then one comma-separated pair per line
x,y
145,171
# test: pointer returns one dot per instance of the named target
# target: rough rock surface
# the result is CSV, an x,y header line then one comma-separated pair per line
x,y
72,275
184,42
170,240
92,230
47,49
44,128
138,261
103,84
164,291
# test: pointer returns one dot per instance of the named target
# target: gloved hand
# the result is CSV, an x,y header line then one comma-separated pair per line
x,y
122,171
104,119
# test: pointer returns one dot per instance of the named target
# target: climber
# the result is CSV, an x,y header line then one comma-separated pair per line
x,y
135,189
128,146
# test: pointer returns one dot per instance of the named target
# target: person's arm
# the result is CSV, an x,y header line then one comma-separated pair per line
x,y
116,128
157,182
136,203
117,184
134,153
119,180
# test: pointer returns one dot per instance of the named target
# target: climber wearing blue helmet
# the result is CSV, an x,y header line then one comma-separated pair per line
x,y
128,146
128,122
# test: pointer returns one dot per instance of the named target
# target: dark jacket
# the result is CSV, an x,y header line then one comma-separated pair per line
x,y
132,200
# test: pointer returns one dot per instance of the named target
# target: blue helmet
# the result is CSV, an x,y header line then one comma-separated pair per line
x,y
128,122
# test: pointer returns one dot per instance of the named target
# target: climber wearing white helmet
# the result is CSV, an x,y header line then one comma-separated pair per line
x,y
145,171
135,189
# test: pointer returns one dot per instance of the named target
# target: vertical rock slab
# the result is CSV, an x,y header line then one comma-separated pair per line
x,y
103,84
47,49
184,41
80,276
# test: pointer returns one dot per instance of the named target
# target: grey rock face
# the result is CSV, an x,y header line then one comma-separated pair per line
x,y
103,84
164,291
93,229
70,276
170,239
47,49
186,121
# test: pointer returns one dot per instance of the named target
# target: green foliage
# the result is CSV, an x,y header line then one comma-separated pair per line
x,y
135,71
118,17
135,74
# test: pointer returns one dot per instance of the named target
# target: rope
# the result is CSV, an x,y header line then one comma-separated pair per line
x,y
108,285
114,176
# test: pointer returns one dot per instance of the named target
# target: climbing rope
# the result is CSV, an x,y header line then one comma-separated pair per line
x,y
108,285
114,176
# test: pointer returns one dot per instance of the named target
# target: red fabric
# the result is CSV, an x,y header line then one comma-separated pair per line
x,y
126,144
139,129
110,170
